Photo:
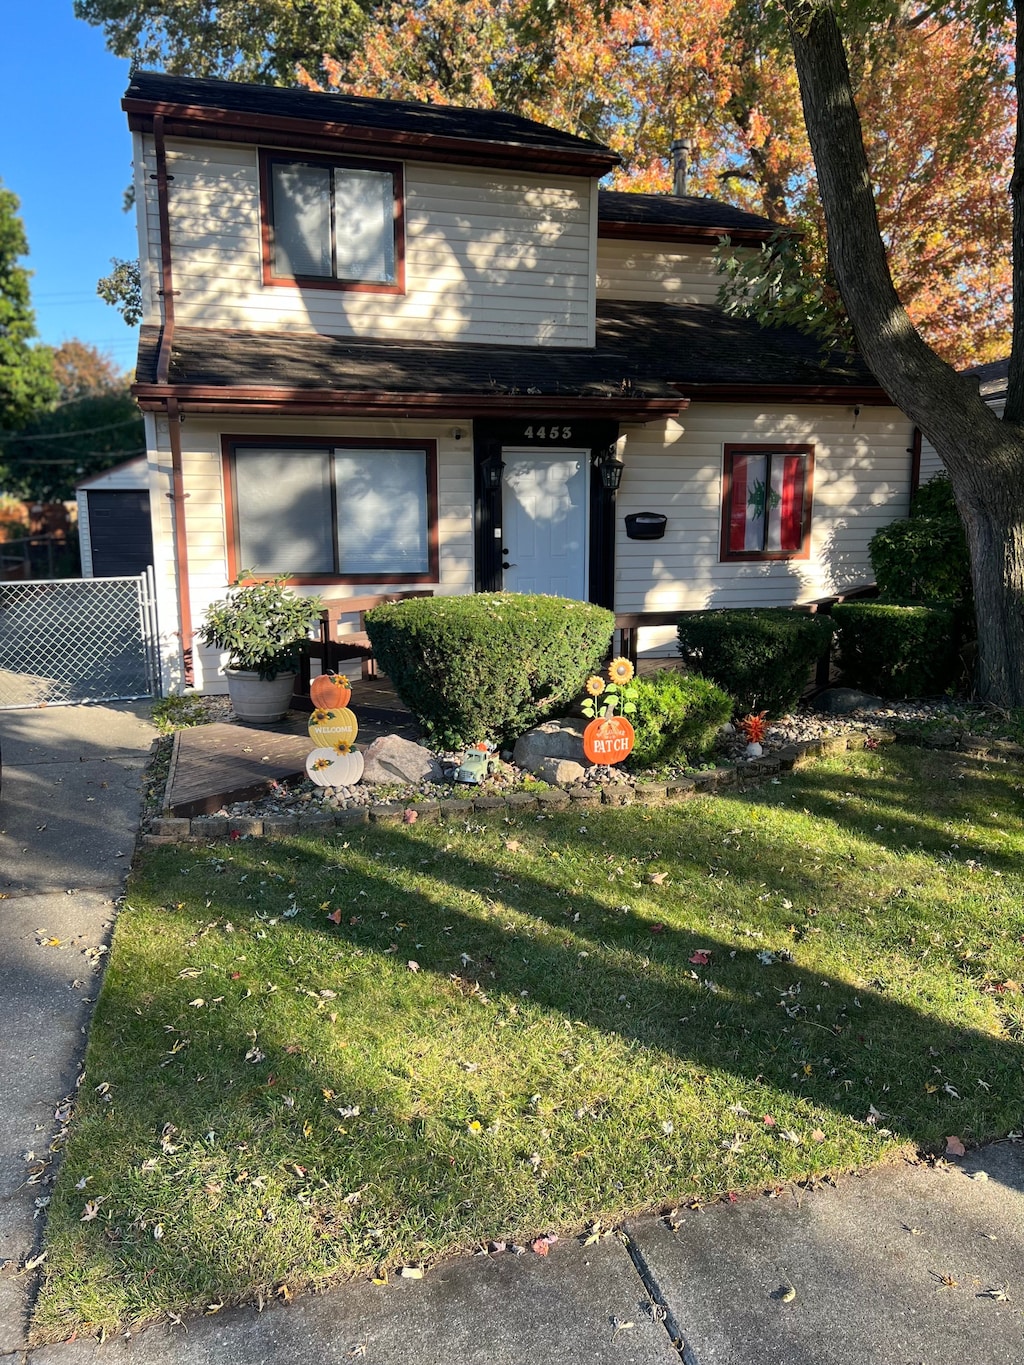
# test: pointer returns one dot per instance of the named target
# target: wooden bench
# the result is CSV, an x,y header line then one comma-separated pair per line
x,y
333,649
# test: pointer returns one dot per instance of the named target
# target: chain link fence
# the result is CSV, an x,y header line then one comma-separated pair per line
x,y
68,640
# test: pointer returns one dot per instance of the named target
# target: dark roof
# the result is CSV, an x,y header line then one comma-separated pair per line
x,y
992,378
678,211
644,351
354,111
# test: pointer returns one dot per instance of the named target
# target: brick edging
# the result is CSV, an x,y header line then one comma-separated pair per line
x,y
173,830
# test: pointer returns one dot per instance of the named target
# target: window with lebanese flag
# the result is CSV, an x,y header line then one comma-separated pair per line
x,y
766,507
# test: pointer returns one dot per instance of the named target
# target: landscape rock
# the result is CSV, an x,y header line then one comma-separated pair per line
x,y
393,759
842,701
560,772
562,738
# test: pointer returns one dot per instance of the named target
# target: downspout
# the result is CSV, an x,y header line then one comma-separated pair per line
x,y
177,494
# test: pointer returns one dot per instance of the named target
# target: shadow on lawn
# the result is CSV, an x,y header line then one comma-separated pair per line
x,y
601,970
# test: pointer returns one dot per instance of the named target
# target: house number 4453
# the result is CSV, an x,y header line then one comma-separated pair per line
x,y
549,433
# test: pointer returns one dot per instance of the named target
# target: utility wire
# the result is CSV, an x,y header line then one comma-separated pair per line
x,y
70,435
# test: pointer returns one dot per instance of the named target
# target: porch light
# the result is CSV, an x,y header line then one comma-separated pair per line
x,y
611,473
491,471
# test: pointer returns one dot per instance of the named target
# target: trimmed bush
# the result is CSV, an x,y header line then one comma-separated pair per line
x,y
763,656
924,558
677,717
489,666
898,650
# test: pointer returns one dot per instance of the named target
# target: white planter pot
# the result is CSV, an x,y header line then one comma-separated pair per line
x,y
259,700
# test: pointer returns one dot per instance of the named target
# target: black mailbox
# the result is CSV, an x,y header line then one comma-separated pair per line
x,y
646,526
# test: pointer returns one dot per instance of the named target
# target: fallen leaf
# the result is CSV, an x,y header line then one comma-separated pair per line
x,y
409,816
817,1135
413,966
335,917
513,845
788,1294
540,1246
92,1209
701,957
411,1272
656,878
954,1147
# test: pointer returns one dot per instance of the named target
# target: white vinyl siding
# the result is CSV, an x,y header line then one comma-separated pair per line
x,y
491,256
861,482
656,272
205,517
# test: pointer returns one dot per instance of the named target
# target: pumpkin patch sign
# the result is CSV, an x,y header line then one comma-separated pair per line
x,y
609,738
335,761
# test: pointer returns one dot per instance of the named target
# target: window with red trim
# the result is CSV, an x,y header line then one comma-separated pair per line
x,y
766,504
335,225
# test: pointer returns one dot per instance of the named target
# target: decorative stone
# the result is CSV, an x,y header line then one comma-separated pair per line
x,y
841,701
562,738
651,793
556,799
388,813
855,740
427,812
352,815
724,777
681,788
488,805
453,809
393,759
881,735
1005,748
618,796
832,745
789,757
279,826
173,827
561,772
585,796
316,821
706,781
521,803
209,826
249,825
753,749
158,840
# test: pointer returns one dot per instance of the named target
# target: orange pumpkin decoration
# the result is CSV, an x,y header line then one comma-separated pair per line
x,y
330,691
329,729
608,739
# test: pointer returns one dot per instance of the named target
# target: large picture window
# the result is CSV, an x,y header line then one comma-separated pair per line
x,y
331,224
766,502
346,511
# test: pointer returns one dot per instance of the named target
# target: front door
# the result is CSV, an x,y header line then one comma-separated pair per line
x,y
545,496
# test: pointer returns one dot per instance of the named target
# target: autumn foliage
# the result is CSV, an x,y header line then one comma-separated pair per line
x,y
938,117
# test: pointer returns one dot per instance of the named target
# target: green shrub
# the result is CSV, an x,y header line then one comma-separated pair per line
x,y
924,558
488,666
677,717
762,656
898,650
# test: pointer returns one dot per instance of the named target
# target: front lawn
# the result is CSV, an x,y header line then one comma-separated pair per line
x,y
316,1058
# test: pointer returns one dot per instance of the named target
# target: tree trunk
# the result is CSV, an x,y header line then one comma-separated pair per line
x,y
983,455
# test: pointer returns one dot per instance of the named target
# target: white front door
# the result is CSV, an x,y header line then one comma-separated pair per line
x,y
544,522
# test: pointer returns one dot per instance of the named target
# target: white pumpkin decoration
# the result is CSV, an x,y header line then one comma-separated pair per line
x,y
329,768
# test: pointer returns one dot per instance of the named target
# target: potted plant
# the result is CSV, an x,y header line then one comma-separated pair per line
x,y
263,627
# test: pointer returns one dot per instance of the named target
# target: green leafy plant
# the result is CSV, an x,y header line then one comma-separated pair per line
x,y
678,716
898,650
179,711
488,666
762,656
262,626
924,557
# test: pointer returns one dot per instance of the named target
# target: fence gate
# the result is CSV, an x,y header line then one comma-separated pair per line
x,y
67,640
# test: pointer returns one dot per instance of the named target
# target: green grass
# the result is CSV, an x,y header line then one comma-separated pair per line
x,y
557,1056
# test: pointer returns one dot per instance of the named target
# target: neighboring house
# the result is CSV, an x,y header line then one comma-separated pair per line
x,y
992,380
391,344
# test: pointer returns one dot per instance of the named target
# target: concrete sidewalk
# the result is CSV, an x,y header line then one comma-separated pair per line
x,y
69,812
914,1265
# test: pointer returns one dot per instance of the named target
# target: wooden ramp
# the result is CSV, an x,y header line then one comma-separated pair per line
x,y
215,765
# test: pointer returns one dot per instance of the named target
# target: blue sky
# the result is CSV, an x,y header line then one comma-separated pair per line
x,y
65,151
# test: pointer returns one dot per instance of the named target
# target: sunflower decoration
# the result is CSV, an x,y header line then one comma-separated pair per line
x,y
620,671
342,747
615,695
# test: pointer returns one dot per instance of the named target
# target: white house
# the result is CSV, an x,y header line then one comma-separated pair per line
x,y
392,344
992,381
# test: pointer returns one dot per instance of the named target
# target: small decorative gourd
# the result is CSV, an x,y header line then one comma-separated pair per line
x,y
330,691
329,729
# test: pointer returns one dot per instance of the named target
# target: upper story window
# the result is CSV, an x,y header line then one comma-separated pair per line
x,y
766,501
332,224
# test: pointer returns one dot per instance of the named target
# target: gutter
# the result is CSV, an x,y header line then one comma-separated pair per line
x,y
177,494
